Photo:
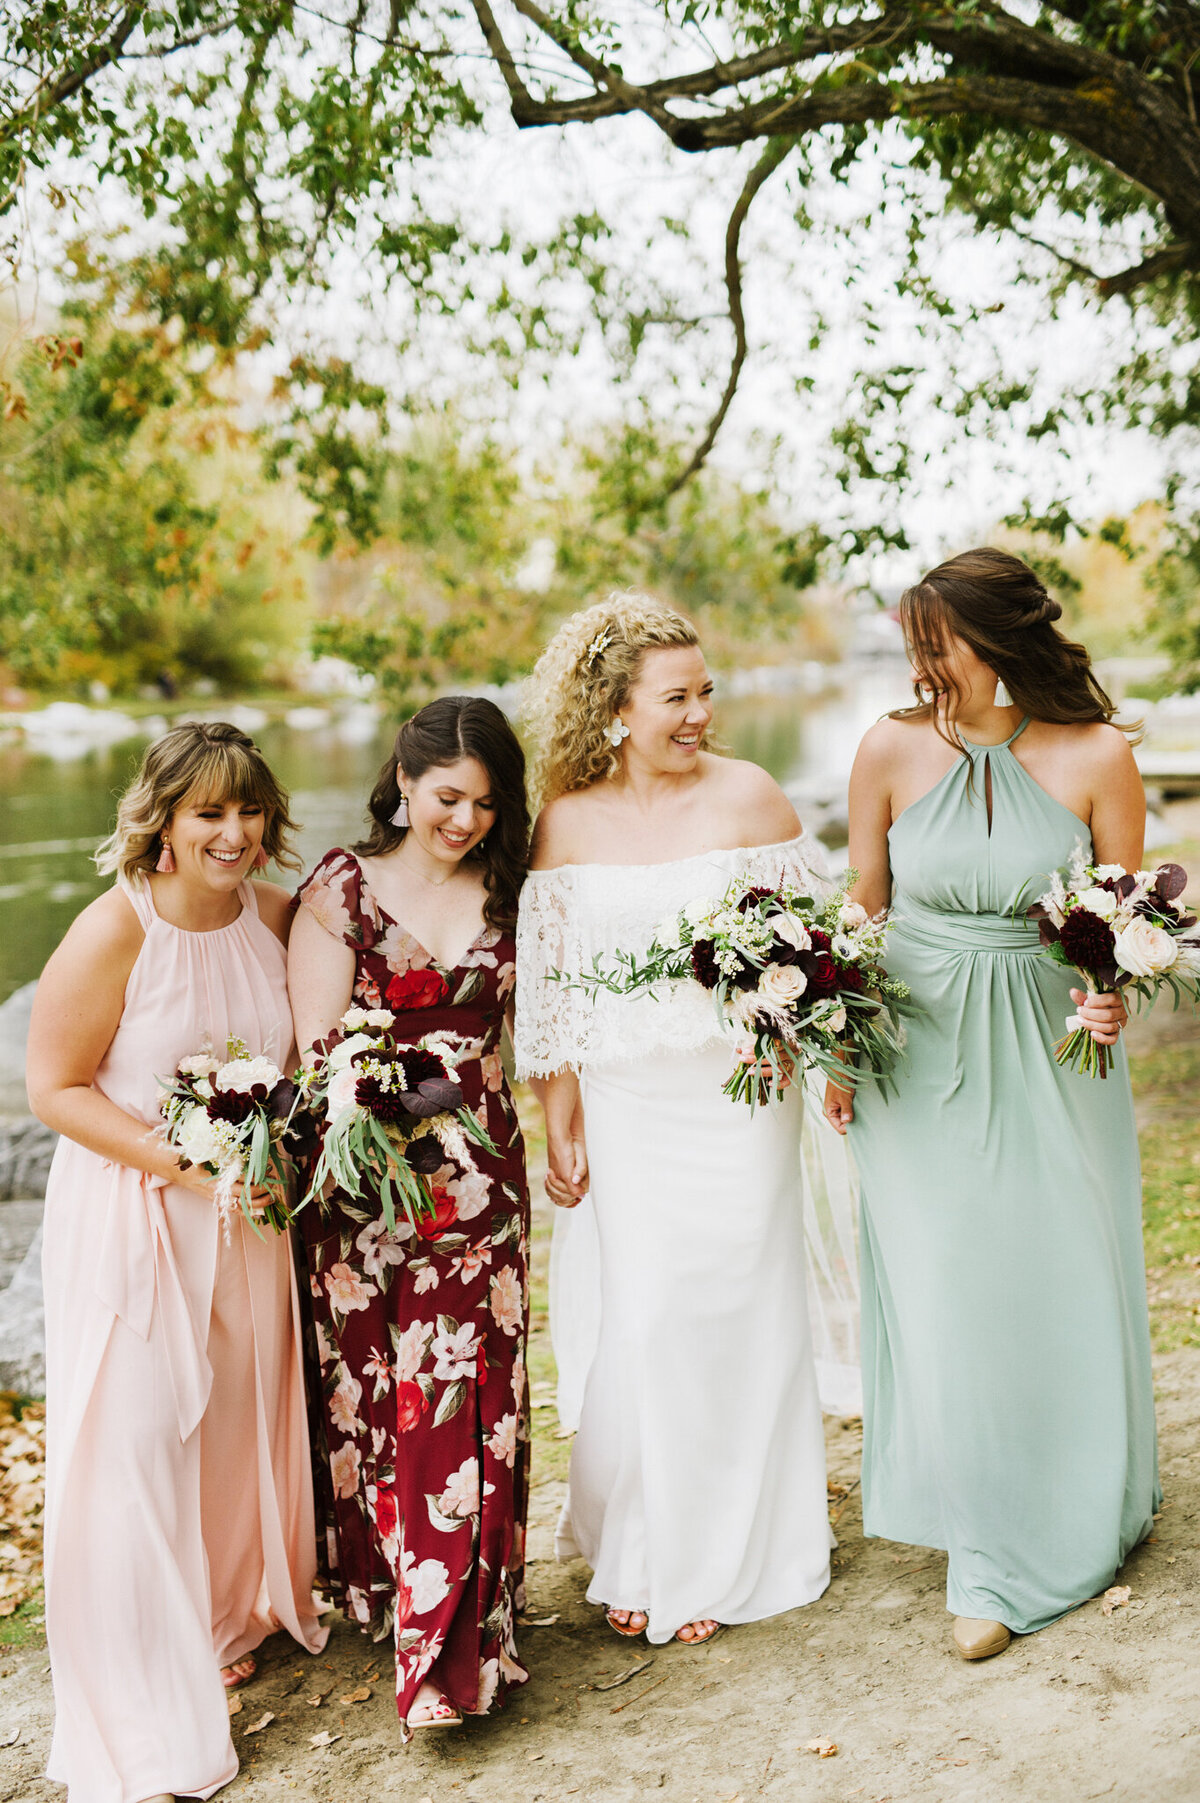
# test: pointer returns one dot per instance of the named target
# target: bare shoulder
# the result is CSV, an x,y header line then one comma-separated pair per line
x,y
108,928
274,908
560,830
1103,748
889,740
764,814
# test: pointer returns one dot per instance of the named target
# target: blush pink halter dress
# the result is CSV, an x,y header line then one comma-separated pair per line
x,y
179,1514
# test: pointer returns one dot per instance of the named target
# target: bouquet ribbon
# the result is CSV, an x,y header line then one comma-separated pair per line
x,y
136,1270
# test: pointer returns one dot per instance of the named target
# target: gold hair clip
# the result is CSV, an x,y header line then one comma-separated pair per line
x,y
598,644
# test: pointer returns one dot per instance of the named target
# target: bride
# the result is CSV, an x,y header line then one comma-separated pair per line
x,y
681,1311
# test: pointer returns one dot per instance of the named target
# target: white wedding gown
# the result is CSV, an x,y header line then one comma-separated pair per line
x,y
685,1289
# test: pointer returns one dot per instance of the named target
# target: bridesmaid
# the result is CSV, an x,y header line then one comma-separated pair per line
x,y
179,1515
1009,1416
421,1336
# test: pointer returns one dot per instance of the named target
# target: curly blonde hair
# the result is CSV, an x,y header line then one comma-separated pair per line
x,y
212,760
583,679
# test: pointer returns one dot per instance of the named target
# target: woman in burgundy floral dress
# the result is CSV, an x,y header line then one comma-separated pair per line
x,y
421,1333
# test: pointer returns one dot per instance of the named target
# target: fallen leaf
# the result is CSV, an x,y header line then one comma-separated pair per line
x,y
258,1726
541,1621
1116,1598
10,1740
625,1676
324,1739
234,1704
360,1695
532,1756
318,1697
824,1749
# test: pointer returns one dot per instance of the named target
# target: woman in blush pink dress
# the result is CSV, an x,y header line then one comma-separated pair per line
x,y
179,1514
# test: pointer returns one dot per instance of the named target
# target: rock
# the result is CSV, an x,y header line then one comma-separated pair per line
x,y
14,1036
26,1148
23,1327
19,1221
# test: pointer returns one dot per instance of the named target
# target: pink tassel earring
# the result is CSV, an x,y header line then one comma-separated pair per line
x,y
400,817
261,860
166,859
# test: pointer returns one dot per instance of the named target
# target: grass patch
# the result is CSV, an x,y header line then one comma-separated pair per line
x,y
26,1626
1166,1080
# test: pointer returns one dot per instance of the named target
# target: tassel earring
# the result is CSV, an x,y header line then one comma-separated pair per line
x,y
261,860
400,817
1003,698
166,859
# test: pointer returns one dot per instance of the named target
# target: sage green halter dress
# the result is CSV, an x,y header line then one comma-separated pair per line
x,y
1008,1409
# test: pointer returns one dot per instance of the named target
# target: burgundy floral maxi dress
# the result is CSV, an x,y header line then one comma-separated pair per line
x,y
421,1340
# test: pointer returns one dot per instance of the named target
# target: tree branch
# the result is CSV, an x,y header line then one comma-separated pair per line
x,y
765,167
46,98
1160,262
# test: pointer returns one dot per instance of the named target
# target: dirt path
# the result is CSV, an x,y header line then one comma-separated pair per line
x,y
1095,1706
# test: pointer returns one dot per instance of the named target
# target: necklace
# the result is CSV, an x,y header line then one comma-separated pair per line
x,y
433,881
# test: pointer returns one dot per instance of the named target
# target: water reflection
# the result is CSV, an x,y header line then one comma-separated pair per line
x,y
53,812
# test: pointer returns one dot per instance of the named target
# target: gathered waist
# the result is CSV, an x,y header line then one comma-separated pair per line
x,y
947,928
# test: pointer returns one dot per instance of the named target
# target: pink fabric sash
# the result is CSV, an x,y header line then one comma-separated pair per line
x,y
137,1268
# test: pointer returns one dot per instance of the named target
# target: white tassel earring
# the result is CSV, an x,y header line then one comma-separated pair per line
x,y
1003,698
400,817
615,732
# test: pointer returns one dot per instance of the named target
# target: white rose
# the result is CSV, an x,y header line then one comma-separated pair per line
x,y
852,916
697,911
837,1020
202,1065
354,1018
782,983
341,1055
378,1017
667,933
340,1094
1108,873
1100,902
1145,950
198,1139
245,1074
791,929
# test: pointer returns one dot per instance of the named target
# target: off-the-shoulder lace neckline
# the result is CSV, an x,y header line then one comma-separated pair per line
x,y
696,857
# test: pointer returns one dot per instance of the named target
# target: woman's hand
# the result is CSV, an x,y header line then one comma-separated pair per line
x,y
839,1106
567,1177
1103,1015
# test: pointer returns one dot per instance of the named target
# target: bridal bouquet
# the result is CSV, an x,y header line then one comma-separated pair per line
x,y
1117,930
234,1117
393,1113
797,983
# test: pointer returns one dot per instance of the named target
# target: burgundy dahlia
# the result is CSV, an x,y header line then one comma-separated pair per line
x,y
849,976
704,963
233,1105
1087,940
820,940
383,1103
421,1066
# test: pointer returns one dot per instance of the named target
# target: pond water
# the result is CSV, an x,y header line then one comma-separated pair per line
x,y
53,810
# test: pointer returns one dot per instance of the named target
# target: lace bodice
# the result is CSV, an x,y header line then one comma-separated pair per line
x,y
571,916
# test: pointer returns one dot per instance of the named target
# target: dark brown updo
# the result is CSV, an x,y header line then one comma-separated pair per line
x,y
999,607
450,728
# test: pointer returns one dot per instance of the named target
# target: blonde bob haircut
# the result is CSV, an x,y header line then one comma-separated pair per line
x,y
203,761
582,681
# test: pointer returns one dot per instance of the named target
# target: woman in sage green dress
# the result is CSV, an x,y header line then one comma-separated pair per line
x,y
1008,1409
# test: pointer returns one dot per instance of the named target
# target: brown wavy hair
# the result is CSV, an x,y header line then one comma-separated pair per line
x,y
211,759
999,607
450,728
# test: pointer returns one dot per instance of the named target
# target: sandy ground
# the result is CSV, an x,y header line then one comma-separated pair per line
x,y
1096,1706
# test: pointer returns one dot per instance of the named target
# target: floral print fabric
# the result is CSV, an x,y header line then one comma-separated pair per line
x,y
420,1339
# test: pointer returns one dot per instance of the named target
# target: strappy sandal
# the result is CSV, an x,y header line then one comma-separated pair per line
x,y
622,1627
240,1672
698,1639
442,1714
